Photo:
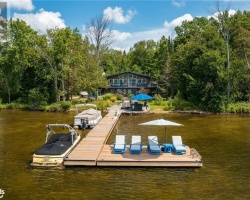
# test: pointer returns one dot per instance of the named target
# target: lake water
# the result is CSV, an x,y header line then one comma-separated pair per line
x,y
222,141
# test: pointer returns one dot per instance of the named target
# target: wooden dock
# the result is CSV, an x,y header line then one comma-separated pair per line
x,y
93,150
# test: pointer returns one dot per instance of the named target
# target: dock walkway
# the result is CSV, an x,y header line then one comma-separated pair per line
x,y
93,150
88,150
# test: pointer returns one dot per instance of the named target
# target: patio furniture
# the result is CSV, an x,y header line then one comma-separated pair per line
x,y
138,107
120,144
167,148
153,145
179,147
136,145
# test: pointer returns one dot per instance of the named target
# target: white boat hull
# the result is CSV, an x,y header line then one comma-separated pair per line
x,y
52,160
90,123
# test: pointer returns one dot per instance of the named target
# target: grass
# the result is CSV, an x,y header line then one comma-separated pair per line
x,y
153,106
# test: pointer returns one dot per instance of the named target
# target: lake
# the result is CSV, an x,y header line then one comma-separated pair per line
x,y
222,141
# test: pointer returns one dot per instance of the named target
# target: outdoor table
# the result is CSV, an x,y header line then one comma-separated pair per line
x,y
167,147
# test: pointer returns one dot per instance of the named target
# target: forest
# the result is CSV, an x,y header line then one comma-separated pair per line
x,y
206,64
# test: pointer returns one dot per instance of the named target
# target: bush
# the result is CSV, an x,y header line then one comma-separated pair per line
x,y
103,105
241,107
65,105
15,105
120,97
130,95
81,100
158,100
108,96
3,106
36,99
113,99
177,103
54,107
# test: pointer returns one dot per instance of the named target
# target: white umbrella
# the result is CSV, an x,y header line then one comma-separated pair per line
x,y
161,122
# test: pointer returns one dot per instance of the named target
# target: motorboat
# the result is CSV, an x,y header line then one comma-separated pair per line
x,y
60,141
87,118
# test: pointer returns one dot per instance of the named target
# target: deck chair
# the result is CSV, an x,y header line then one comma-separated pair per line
x,y
136,145
179,147
153,146
119,145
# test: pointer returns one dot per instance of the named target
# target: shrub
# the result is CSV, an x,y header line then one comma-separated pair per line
x,y
158,99
178,103
15,105
120,97
108,96
53,107
89,100
81,100
36,99
103,105
113,99
130,95
3,106
240,107
65,105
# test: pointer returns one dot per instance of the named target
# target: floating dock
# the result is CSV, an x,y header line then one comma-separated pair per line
x,y
93,150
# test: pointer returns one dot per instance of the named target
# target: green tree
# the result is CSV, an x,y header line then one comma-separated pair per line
x,y
197,69
17,55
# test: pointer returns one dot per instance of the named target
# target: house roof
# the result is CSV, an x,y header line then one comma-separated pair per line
x,y
129,73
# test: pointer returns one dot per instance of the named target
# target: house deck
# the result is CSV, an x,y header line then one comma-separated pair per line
x,y
93,150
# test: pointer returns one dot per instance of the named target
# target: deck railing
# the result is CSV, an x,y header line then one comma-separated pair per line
x,y
133,85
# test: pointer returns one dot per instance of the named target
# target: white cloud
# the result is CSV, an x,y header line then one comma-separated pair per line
x,y
135,37
154,34
121,36
215,15
42,20
178,21
21,4
117,15
178,3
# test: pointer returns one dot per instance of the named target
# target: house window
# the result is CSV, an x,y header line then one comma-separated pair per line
x,y
132,82
119,91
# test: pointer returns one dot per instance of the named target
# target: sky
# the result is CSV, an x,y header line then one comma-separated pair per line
x,y
131,20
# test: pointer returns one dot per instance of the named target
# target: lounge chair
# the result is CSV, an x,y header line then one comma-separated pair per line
x,y
136,145
179,147
119,145
153,146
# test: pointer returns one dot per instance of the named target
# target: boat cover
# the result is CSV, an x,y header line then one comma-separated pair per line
x,y
58,144
90,114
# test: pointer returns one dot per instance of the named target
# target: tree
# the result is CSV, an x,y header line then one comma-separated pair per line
x,y
196,69
224,28
141,57
100,34
113,61
17,55
241,45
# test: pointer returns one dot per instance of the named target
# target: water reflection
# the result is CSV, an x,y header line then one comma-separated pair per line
x,y
222,140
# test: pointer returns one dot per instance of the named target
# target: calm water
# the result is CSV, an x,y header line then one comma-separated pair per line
x,y
222,140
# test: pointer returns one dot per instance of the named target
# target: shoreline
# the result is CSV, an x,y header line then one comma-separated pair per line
x,y
156,111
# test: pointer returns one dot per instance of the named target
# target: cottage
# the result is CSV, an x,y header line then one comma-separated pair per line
x,y
129,82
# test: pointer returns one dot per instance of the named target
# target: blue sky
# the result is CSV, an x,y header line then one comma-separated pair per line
x,y
132,20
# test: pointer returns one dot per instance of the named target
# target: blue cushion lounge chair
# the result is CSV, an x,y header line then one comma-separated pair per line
x,y
153,146
136,145
179,148
119,145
